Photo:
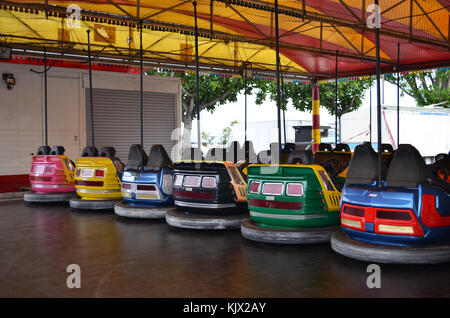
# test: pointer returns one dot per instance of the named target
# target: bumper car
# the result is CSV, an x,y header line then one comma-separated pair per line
x,y
405,219
211,193
51,176
296,202
97,179
146,184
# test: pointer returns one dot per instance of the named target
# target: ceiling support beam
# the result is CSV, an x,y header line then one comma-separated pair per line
x,y
313,16
431,21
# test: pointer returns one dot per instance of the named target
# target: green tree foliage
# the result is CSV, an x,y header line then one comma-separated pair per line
x,y
226,132
350,95
216,91
427,88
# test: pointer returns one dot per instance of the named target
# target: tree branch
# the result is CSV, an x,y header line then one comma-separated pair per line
x,y
213,102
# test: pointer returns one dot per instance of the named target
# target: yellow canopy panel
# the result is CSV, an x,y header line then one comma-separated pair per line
x,y
234,33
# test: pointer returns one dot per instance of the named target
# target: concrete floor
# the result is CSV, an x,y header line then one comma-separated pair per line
x,y
130,258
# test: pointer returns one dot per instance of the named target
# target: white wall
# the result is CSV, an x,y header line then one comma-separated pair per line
x,y
22,109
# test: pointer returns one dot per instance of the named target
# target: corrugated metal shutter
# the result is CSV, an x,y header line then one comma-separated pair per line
x,y
117,119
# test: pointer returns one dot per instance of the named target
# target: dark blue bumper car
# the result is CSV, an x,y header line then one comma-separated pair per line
x,y
405,219
146,184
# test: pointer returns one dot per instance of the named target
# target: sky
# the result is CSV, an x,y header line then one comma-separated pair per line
x,y
214,123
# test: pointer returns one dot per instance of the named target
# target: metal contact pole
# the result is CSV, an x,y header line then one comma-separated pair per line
x,y
141,71
284,106
398,94
45,97
277,40
335,101
377,47
370,114
245,105
197,84
90,88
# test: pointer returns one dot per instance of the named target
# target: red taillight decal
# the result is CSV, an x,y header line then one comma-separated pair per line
x,y
254,187
381,216
393,215
126,186
283,205
350,210
44,179
146,187
294,189
178,181
429,215
100,173
192,181
209,182
353,213
48,170
89,183
272,188
193,195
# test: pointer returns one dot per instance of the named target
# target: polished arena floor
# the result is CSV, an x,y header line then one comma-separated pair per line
x,y
132,258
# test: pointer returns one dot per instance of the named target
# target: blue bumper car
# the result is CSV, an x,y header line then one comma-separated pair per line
x,y
146,184
405,219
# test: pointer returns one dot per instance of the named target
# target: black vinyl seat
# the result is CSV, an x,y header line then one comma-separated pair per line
x,y
57,151
363,167
89,152
325,147
387,148
342,147
43,151
408,169
136,157
301,156
192,154
108,152
288,147
158,158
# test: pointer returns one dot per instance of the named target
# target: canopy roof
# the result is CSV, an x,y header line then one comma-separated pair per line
x,y
234,33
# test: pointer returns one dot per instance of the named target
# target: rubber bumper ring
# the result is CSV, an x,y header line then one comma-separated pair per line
x,y
77,203
125,210
253,232
188,220
378,253
48,197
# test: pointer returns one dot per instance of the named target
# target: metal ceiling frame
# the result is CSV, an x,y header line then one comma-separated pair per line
x,y
170,27
302,14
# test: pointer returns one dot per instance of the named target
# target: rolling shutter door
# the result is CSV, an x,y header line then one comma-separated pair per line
x,y
117,119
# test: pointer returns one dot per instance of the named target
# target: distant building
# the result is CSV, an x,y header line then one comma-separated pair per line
x,y
426,128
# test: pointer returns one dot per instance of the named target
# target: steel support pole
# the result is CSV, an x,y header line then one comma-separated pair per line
x,y
245,104
141,71
370,114
336,101
277,42
90,88
284,106
45,97
398,94
377,49
197,83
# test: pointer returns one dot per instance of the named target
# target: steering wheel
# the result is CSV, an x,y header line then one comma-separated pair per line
x,y
443,169
441,156
330,167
